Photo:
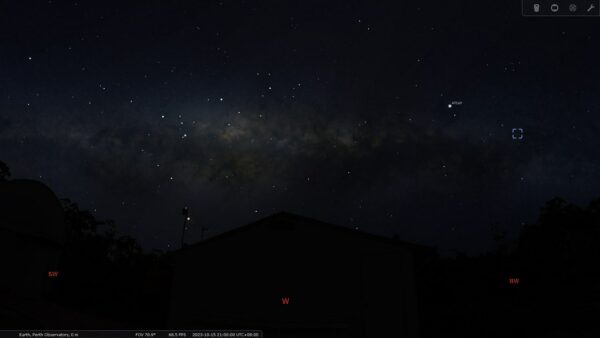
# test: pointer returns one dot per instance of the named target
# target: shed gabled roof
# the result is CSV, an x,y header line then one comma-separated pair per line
x,y
282,218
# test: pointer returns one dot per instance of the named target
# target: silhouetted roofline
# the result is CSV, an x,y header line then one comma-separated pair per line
x,y
31,182
33,210
310,221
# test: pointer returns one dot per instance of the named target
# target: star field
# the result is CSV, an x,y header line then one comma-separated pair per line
x,y
396,118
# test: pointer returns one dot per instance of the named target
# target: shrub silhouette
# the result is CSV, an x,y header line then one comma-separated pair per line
x,y
4,171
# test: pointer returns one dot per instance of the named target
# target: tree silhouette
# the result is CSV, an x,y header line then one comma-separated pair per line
x,y
107,274
557,262
4,172
560,256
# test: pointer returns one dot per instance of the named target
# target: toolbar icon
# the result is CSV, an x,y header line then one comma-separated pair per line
x,y
591,7
554,8
536,8
572,8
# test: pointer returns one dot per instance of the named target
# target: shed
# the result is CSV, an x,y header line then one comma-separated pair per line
x,y
293,276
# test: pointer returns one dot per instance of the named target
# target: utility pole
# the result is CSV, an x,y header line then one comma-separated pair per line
x,y
186,218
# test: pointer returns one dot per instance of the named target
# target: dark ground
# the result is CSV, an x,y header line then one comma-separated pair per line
x,y
107,280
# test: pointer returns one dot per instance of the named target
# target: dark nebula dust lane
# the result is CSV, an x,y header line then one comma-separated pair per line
x,y
398,118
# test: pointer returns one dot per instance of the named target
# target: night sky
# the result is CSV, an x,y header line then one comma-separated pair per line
x,y
395,117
